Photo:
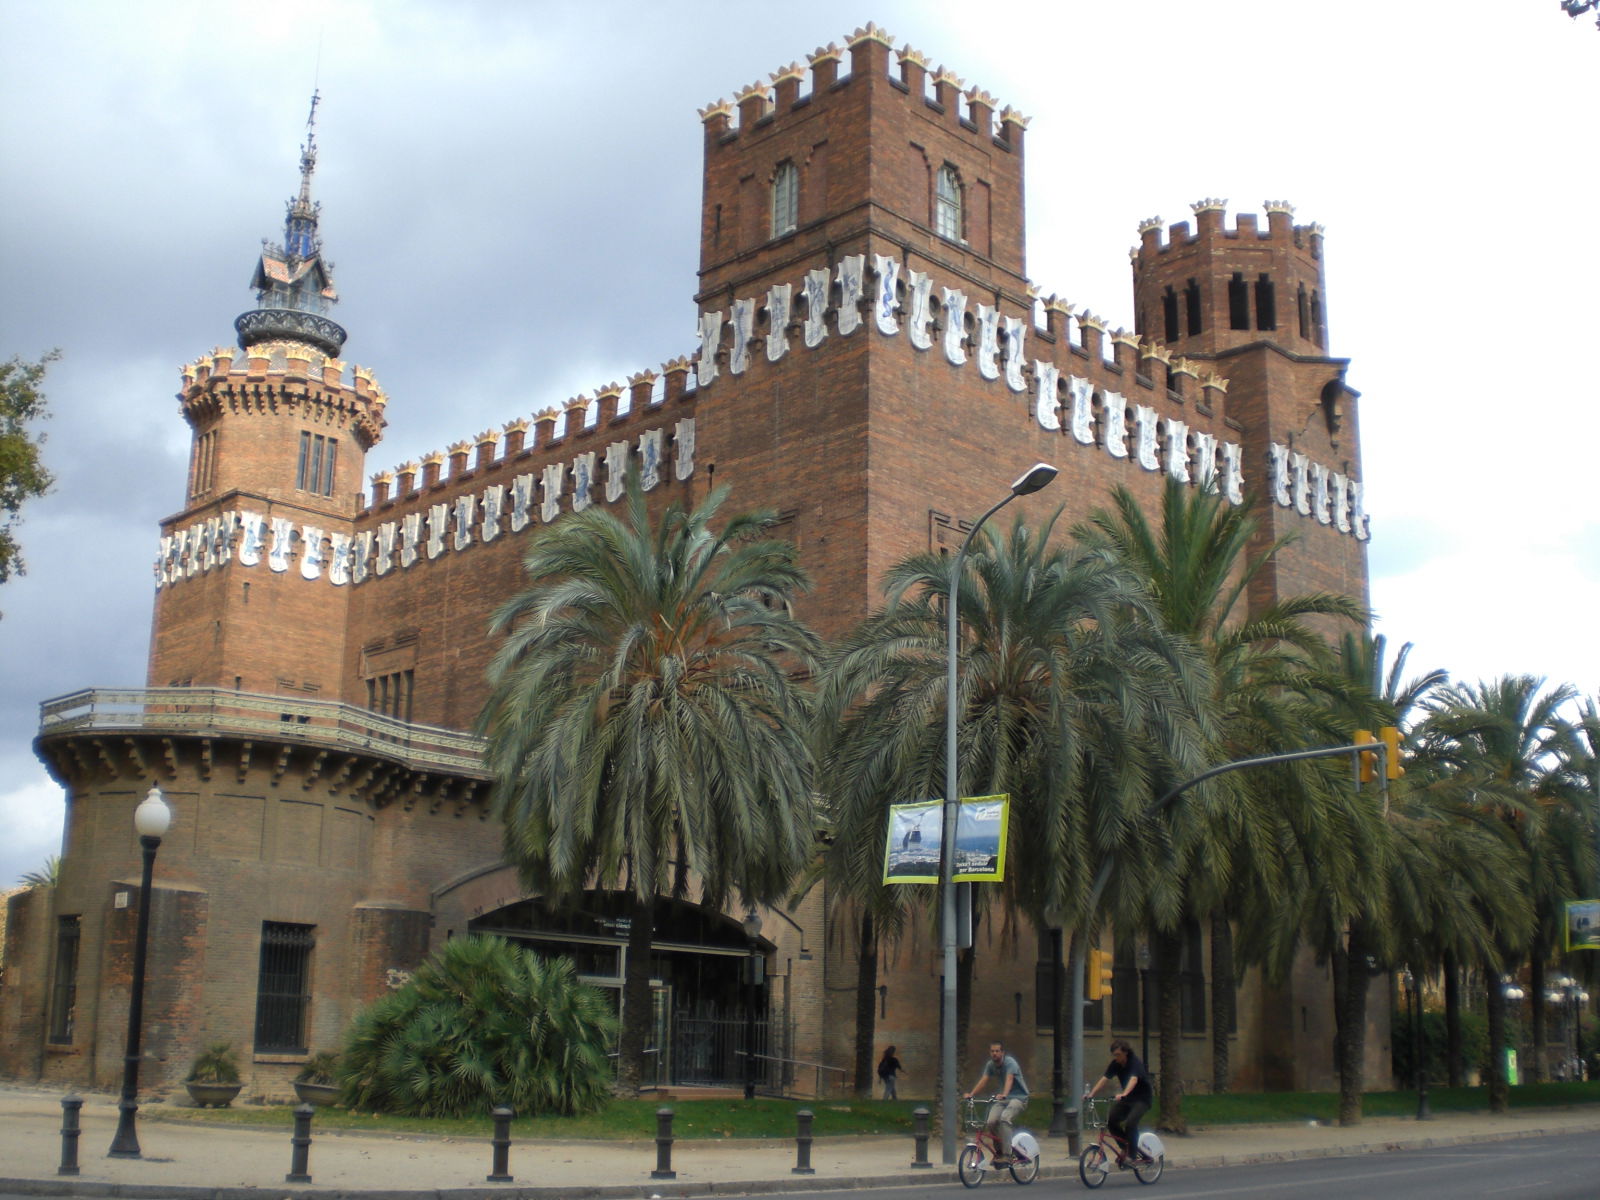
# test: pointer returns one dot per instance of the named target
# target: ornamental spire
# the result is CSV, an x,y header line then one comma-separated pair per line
x,y
294,285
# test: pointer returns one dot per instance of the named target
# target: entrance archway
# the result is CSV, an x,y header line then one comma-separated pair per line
x,y
698,968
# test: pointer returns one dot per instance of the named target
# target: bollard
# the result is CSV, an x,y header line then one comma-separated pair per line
x,y
663,1146
501,1171
70,1105
919,1130
802,1143
299,1164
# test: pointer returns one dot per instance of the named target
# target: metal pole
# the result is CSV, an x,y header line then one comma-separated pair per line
x,y
802,1144
1031,482
300,1155
919,1134
70,1128
1058,1106
750,1023
126,1142
663,1146
500,1166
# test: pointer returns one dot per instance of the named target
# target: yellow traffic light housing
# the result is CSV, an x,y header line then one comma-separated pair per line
x,y
1390,737
1099,982
1367,769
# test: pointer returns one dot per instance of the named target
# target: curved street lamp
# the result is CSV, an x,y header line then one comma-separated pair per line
x,y
151,820
752,978
1037,476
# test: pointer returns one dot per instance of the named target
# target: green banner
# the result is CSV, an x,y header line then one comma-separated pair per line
x,y
911,850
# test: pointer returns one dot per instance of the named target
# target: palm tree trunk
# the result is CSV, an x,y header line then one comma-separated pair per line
x,y
866,1012
1169,962
1452,1019
1537,1014
637,1011
963,1006
1350,981
1223,1000
1499,1091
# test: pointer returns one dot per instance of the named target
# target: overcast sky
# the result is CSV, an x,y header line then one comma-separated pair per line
x,y
511,196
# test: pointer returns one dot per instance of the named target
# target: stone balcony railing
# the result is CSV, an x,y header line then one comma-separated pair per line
x,y
217,712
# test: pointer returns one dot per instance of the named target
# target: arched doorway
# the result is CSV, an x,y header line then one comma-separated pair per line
x,y
702,995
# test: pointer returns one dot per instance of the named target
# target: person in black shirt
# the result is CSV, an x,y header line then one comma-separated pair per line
x,y
1132,1100
888,1067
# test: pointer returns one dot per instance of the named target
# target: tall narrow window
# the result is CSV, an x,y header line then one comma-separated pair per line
x,y
64,987
1238,302
318,456
785,199
1319,332
283,988
1191,302
1305,314
947,216
1192,974
1266,302
1169,314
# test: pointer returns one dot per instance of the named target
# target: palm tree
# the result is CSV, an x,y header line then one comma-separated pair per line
x,y
1070,699
1510,741
46,876
644,722
1199,565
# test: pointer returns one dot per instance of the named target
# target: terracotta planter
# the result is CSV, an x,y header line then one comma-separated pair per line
x,y
319,1094
212,1095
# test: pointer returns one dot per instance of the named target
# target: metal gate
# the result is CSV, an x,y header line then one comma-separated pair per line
x,y
709,1052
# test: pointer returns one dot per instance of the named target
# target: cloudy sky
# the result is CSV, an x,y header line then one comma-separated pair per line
x,y
510,196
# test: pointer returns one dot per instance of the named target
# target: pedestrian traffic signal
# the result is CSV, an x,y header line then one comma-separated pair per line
x,y
1390,737
1099,974
1367,769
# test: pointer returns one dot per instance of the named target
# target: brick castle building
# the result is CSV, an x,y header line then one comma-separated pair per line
x,y
872,361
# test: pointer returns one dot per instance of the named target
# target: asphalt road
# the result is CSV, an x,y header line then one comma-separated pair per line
x,y
1553,1168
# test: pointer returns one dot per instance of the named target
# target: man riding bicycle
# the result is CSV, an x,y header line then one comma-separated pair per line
x,y
1010,1098
1131,1102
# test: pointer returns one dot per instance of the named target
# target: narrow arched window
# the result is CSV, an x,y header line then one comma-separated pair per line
x,y
947,204
785,199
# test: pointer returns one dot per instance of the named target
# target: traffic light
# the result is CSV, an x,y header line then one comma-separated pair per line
x,y
1368,768
1390,737
1099,974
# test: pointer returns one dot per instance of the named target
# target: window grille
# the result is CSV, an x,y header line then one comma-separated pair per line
x,y
283,989
785,199
64,988
947,204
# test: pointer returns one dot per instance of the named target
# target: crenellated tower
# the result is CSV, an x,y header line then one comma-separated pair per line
x,y
281,429
1211,288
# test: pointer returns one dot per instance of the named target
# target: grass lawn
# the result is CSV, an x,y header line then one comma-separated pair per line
x,y
635,1120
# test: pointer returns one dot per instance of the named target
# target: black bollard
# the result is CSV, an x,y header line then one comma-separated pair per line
x,y
70,1106
919,1130
501,1171
663,1146
802,1143
300,1163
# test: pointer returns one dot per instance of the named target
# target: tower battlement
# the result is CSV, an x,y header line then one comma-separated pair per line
x,y
1212,286
972,111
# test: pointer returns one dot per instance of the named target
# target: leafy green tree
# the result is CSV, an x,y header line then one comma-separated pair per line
x,y
482,1023
1199,563
1071,700
644,724
22,471
1511,747
46,876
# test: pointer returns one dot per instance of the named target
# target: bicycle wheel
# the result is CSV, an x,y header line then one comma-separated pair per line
x,y
1025,1172
1151,1171
970,1166
1092,1168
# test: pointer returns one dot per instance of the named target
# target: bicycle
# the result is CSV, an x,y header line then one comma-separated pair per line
x,y
1099,1156
982,1147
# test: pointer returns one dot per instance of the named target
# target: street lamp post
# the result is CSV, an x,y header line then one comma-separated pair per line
x,y
1513,993
151,819
1039,475
752,978
1419,1069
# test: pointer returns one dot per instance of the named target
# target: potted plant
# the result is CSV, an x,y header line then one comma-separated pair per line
x,y
214,1076
318,1081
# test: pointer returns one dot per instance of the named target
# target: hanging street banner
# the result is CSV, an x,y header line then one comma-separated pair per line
x,y
911,854
1583,924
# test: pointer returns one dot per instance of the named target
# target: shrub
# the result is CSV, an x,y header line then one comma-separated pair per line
x,y
482,1023
322,1067
1474,1046
215,1065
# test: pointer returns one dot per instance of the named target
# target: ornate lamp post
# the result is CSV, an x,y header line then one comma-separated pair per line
x,y
752,977
151,819
1039,475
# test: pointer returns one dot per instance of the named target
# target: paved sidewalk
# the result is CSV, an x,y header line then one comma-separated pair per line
x,y
196,1161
